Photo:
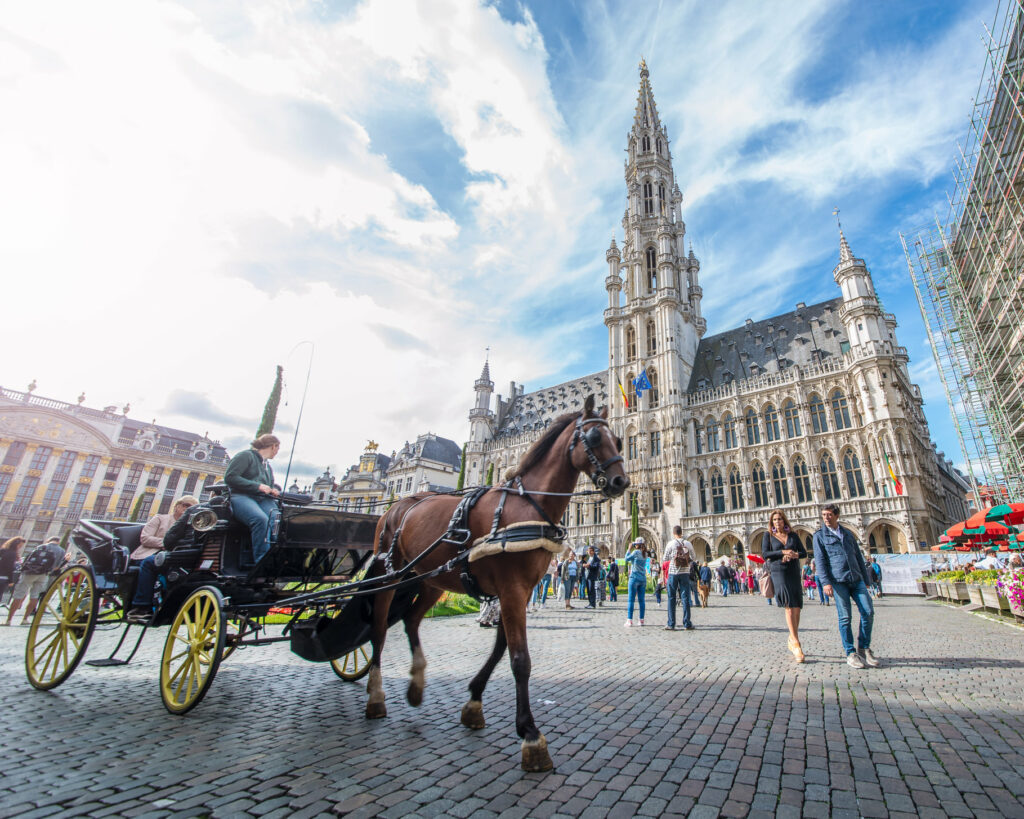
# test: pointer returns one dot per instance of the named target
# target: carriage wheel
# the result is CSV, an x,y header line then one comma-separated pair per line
x,y
193,651
353,666
61,628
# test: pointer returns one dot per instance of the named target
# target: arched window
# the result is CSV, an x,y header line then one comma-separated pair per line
x,y
753,431
698,439
829,478
840,410
802,480
702,497
779,484
646,143
817,407
735,488
630,344
652,338
657,144
760,485
729,430
792,416
648,196
651,260
717,493
712,429
662,198
655,395
771,423
854,481
634,399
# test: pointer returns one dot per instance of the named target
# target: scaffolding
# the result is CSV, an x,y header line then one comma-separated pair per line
x,y
968,272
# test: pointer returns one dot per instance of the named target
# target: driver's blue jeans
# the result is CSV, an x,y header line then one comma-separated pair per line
x,y
858,592
255,512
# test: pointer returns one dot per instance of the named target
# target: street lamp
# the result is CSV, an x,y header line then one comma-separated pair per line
x,y
302,405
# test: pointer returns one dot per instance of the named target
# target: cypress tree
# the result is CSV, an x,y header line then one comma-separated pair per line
x,y
462,471
270,410
490,474
134,516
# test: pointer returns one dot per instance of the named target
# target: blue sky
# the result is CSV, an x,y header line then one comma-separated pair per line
x,y
194,189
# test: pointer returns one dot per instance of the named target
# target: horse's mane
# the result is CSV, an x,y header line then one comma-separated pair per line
x,y
535,454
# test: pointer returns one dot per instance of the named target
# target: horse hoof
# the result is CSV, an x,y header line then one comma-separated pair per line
x,y
535,755
473,715
414,694
376,710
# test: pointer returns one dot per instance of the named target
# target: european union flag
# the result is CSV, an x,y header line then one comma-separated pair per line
x,y
641,383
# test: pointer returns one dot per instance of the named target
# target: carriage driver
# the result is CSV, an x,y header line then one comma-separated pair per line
x,y
251,481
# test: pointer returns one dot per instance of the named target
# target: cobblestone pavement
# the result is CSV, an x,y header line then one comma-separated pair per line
x,y
716,721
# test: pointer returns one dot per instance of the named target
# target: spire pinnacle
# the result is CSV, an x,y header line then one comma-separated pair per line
x,y
485,374
646,115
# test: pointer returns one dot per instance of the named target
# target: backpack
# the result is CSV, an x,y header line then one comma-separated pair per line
x,y
681,561
42,560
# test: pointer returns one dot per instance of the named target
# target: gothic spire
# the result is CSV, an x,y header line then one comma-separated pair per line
x,y
844,249
646,115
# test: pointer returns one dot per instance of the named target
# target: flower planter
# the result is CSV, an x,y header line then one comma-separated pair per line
x,y
958,591
920,586
974,592
929,589
1018,610
942,587
993,600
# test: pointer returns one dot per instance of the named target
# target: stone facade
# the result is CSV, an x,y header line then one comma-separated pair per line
x,y
60,462
792,411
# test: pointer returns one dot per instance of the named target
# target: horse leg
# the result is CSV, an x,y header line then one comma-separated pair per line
x,y
375,708
424,600
535,746
473,711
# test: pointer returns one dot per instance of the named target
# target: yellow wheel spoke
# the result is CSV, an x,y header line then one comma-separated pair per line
x,y
178,656
51,653
182,667
187,668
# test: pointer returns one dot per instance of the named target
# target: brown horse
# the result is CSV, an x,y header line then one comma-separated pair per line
x,y
547,474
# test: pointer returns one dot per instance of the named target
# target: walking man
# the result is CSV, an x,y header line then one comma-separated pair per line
x,y
841,565
679,555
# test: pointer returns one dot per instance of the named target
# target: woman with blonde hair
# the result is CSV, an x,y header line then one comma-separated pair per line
x,y
783,551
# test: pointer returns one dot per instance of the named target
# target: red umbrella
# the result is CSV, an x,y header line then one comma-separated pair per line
x,y
956,531
979,518
1011,513
944,538
986,532
755,558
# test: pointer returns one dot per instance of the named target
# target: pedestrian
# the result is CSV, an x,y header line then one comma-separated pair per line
x,y
658,572
35,577
549,580
570,570
612,578
841,566
694,580
593,566
876,576
823,599
783,551
679,556
723,577
10,554
636,560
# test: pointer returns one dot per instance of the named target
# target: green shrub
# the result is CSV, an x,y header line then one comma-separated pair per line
x,y
985,577
953,575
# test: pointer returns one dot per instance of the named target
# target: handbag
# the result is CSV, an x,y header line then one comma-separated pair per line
x,y
766,585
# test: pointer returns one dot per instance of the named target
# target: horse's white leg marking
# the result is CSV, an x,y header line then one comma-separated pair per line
x,y
419,680
375,688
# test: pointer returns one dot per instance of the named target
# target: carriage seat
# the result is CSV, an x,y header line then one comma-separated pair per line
x,y
130,536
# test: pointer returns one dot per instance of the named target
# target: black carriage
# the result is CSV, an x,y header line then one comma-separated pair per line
x,y
212,596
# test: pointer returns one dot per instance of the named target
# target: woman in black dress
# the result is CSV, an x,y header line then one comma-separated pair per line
x,y
782,550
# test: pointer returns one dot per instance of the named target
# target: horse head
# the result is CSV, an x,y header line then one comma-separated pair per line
x,y
596,452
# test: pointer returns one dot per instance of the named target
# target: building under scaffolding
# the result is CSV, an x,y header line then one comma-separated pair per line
x,y
969,272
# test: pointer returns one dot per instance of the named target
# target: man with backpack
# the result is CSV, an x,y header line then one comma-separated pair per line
x,y
36,569
613,579
679,555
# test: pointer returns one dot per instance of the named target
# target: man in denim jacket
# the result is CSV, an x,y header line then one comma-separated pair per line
x,y
841,565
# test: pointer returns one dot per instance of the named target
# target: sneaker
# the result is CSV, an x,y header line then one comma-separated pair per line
x,y
138,615
870,659
670,628
641,622
690,627
629,623
854,661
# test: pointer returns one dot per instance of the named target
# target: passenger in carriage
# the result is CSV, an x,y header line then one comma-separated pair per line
x,y
251,481
151,546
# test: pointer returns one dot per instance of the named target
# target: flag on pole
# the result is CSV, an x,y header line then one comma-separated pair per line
x,y
624,396
896,481
641,382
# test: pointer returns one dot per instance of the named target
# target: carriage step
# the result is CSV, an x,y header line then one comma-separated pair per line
x,y
105,662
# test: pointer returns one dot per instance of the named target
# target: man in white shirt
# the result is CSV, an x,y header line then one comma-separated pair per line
x,y
990,561
680,554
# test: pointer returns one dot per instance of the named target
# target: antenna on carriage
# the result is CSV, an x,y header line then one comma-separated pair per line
x,y
302,404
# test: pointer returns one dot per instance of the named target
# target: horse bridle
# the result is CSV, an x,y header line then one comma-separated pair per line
x,y
590,439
